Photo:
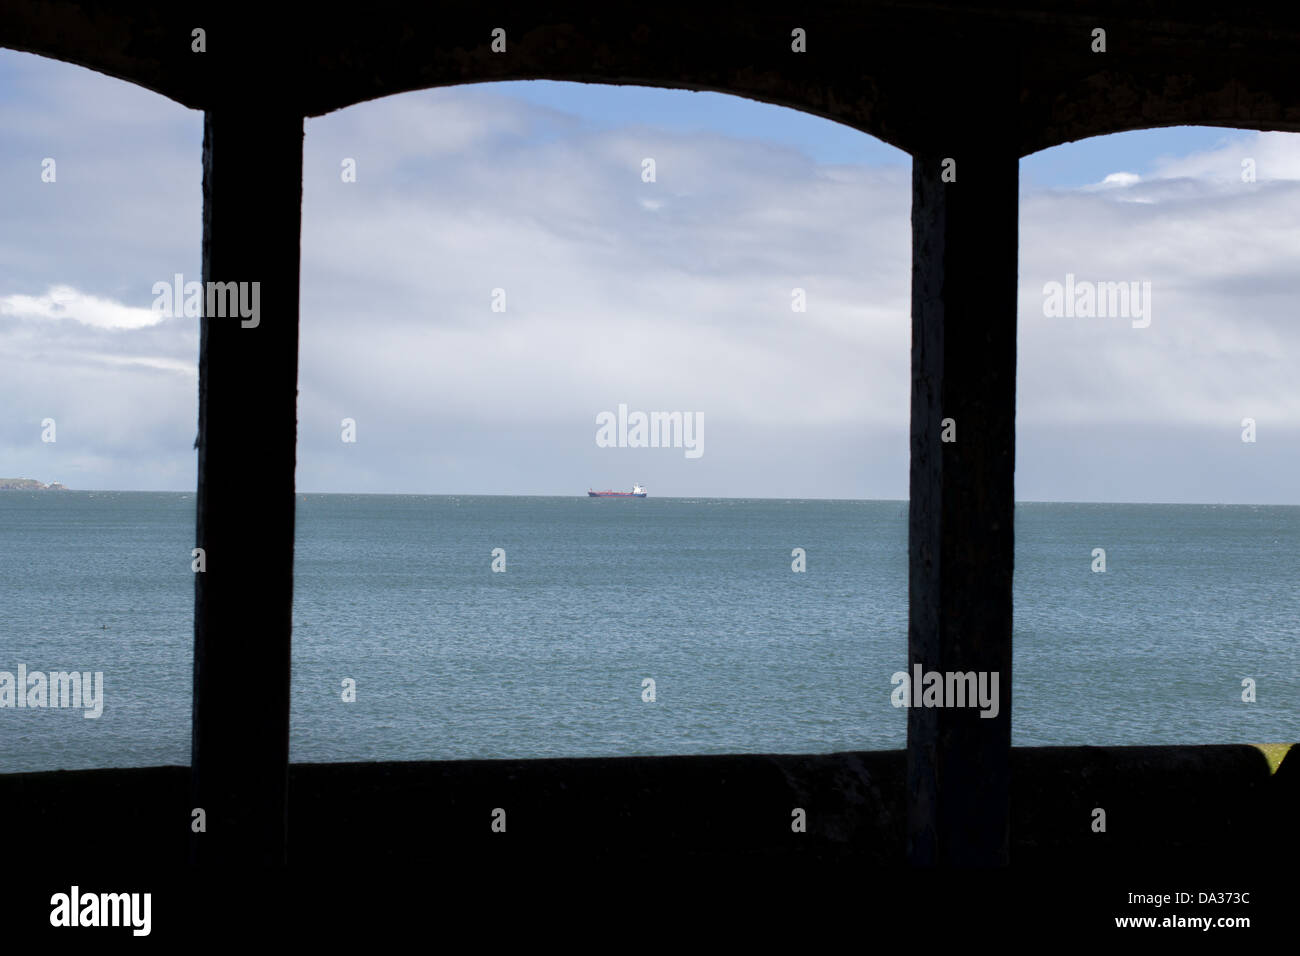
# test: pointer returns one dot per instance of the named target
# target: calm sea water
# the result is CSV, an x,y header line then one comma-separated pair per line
x,y
453,660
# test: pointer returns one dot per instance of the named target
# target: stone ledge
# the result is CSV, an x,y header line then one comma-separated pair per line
x,y
1195,803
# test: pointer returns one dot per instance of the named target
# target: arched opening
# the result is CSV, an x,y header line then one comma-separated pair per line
x,y
1158,417
489,269
101,191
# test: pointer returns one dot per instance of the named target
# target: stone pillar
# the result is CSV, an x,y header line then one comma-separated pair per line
x,y
248,380
960,543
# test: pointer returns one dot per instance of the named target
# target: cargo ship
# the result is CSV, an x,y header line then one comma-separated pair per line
x,y
636,492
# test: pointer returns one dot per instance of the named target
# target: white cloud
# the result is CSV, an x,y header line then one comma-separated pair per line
x,y
1275,156
670,295
153,362
65,302
1121,179
687,309
1219,255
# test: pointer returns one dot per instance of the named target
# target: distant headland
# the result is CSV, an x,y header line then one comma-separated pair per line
x,y
30,484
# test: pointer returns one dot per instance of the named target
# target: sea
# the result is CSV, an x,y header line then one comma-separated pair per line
x,y
510,627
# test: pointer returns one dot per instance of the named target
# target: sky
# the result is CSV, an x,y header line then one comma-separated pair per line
x,y
667,296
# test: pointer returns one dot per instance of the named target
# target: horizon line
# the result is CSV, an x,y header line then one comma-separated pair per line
x,y
477,494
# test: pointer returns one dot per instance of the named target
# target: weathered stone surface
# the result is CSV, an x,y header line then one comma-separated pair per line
x,y
889,67
1199,805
